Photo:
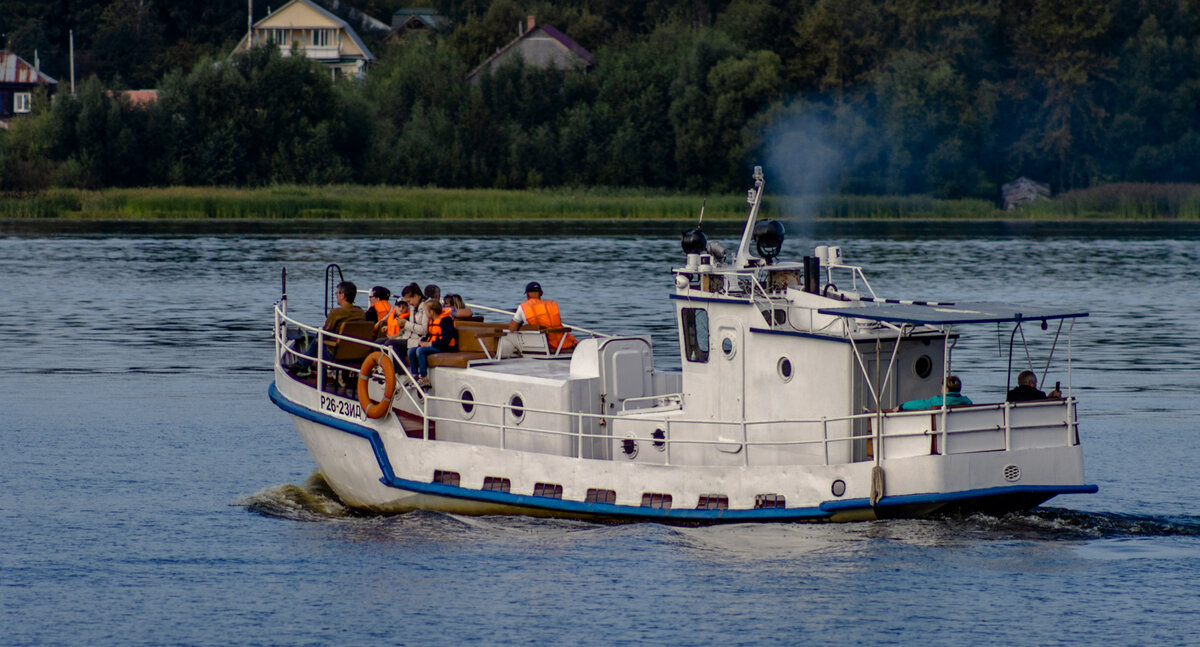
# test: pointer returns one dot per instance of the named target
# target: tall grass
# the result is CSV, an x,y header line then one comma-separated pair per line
x,y
1113,201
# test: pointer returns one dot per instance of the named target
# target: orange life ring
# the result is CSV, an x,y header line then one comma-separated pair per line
x,y
376,409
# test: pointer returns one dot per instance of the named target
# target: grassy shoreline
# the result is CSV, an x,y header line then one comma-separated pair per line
x,y
346,203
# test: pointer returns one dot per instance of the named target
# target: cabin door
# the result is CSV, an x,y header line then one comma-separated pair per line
x,y
625,366
867,385
728,359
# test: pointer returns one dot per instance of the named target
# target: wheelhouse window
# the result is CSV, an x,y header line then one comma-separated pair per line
x,y
695,334
22,101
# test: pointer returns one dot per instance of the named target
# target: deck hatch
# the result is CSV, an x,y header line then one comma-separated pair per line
x,y
497,484
656,500
446,478
548,490
713,502
596,495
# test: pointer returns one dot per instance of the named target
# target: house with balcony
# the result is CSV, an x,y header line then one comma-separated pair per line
x,y
18,80
315,33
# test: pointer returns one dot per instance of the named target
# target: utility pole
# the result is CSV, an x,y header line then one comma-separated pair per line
x,y
72,33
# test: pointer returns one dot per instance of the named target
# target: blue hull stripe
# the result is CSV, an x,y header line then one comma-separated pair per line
x,y
821,512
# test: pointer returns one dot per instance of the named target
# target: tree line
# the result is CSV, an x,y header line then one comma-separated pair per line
x,y
902,97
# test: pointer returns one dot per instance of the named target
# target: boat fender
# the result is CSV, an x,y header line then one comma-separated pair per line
x,y
376,409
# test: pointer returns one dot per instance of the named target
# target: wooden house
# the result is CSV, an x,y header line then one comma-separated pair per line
x,y
18,80
540,46
315,33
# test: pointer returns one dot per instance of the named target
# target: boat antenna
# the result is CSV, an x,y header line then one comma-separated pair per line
x,y
754,197
703,203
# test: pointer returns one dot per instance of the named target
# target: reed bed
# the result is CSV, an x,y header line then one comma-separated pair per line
x,y
347,202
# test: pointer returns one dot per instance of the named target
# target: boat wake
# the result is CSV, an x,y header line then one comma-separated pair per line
x,y
1062,523
314,500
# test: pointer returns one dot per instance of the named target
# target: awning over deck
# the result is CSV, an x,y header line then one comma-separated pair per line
x,y
949,315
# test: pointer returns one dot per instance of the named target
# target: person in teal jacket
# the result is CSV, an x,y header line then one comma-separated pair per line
x,y
951,393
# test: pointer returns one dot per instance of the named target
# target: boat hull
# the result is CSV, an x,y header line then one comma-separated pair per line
x,y
372,465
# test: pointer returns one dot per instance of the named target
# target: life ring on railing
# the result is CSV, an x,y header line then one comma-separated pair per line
x,y
376,409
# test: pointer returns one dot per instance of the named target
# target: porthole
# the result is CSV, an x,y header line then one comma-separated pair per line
x,y
660,439
839,488
629,448
467,402
923,367
784,366
517,406
727,347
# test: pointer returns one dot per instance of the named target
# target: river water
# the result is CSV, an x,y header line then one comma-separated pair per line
x,y
150,493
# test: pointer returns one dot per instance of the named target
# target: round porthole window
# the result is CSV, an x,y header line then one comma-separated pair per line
x,y
838,488
727,346
785,369
467,402
923,367
517,404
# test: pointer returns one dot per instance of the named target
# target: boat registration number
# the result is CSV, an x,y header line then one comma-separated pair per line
x,y
339,407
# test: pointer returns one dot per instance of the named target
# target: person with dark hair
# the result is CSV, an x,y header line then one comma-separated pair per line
x,y
1026,388
399,332
378,306
345,311
951,396
458,307
441,338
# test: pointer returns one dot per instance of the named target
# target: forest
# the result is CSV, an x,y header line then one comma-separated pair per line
x,y
944,98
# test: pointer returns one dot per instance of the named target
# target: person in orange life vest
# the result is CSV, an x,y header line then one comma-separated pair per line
x,y
441,338
544,314
378,308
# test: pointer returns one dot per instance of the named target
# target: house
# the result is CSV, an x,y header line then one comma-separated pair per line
x,y
316,33
540,46
406,21
18,80
1021,191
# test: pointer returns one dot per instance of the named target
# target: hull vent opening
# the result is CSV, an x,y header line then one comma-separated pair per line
x,y
656,500
713,502
446,478
548,490
596,495
1012,473
497,484
769,501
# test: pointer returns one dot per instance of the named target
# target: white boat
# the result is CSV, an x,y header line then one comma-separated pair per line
x,y
782,410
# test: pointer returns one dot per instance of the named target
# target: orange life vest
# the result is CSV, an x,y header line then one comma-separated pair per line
x,y
435,329
544,314
381,309
393,322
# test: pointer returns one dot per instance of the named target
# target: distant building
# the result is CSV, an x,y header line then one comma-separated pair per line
x,y
18,80
1022,191
137,98
540,46
316,33
413,20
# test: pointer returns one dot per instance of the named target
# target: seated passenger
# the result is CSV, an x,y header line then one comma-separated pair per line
x,y
458,307
402,332
951,395
378,304
346,311
441,338
1026,388
543,314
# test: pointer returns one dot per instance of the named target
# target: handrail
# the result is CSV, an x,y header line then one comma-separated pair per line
x,y
512,313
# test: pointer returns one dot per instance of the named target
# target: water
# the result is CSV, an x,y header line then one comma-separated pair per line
x,y
150,494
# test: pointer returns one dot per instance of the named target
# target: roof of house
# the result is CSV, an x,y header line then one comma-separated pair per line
x,y
14,69
549,31
323,12
428,17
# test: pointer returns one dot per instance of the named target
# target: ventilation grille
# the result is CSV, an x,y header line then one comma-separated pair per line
x,y
1012,473
595,495
769,501
548,490
656,500
713,502
497,484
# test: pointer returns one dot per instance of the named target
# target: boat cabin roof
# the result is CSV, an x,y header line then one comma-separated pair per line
x,y
951,314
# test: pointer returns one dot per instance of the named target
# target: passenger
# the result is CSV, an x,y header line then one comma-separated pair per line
x,y
441,338
541,313
410,326
346,311
951,395
1026,388
377,309
458,308
434,293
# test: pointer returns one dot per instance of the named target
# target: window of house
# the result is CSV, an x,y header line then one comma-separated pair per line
x,y
279,36
695,334
22,101
320,38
